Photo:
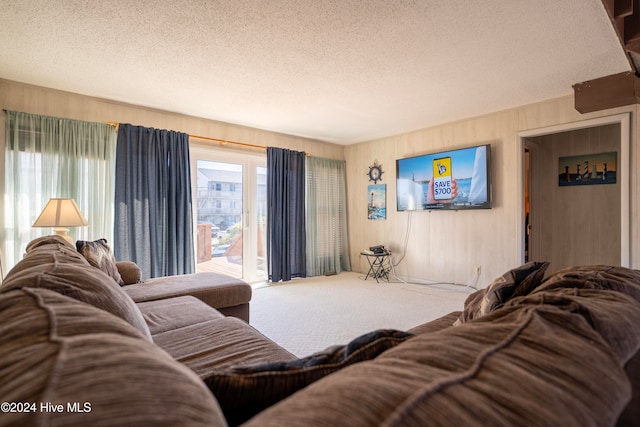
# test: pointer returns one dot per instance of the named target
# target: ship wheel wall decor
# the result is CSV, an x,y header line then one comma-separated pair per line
x,y
375,172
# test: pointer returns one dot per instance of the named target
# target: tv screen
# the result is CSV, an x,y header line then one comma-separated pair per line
x,y
455,179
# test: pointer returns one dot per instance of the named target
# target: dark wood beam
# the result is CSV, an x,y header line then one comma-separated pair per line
x,y
612,91
618,8
622,8
624,16
631,30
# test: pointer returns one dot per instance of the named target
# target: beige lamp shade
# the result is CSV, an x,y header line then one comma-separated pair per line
x,y
60,214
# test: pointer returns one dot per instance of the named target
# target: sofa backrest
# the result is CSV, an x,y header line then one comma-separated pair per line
x,y
554,357
67,363
53,263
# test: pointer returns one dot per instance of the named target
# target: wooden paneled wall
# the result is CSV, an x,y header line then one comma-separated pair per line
x,y
440,246
50,102
446,246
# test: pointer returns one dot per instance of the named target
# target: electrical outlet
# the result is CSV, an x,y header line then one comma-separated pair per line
x,y
478,270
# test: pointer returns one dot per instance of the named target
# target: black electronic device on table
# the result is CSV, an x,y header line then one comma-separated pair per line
x,y
379,262
378,250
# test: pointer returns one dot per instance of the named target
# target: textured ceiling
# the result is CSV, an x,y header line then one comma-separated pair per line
x,y
341,71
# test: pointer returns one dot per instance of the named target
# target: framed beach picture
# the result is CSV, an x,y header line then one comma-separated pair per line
x,y
588,169
377,201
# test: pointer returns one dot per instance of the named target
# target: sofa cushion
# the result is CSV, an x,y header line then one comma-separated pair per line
x,y
615,278
215,289
530,363
58,351
631,414
606,277
174,313
515,282
53,263
246,390
435,325
100,256
207,347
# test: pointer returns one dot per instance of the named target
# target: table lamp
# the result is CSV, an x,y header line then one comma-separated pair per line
x,y
60,214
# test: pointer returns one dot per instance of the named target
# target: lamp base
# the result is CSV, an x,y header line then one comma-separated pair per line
x,y
62,232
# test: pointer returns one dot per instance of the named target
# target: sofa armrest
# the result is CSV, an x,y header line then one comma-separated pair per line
x,y
129,271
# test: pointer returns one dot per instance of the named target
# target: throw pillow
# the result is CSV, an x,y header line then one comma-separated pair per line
x,y
244,391
99,255
516,282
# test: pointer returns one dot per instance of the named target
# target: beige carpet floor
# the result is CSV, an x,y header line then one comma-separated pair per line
x,y
309,315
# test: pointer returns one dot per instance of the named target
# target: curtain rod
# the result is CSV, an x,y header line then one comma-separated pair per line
x,y
225,142
206,138
221,141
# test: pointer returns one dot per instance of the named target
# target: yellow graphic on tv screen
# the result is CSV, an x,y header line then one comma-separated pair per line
x,y
442,178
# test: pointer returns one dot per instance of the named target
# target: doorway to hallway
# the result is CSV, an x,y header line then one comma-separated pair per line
x,y
575,225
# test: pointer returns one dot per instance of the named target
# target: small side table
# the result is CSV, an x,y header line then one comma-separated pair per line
x,y
378,265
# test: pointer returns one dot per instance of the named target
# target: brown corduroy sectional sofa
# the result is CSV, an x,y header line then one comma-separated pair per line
x,y
75,349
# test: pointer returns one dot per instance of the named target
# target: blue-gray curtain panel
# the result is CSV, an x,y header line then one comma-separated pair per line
x,y
286,238
153,214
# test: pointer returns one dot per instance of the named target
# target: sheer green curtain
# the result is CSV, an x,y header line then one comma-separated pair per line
x,y
49,157
327,233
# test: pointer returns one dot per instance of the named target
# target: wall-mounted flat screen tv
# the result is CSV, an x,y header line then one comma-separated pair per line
x,y
455,179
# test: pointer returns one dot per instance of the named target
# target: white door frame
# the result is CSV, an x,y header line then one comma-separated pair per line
x,y
624,119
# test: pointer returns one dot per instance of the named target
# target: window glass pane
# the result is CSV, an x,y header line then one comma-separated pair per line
x,y
219,215
261,221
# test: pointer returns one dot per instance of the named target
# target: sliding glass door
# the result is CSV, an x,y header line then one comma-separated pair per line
x,y
230,213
